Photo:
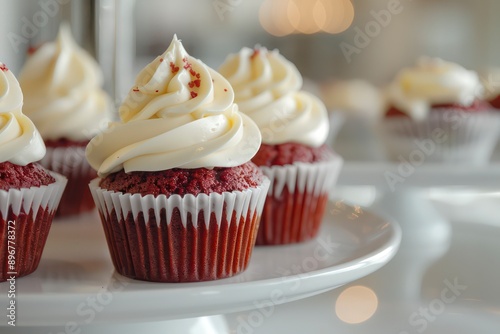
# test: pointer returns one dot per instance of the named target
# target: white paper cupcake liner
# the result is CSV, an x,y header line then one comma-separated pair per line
x,y
66,160
71,162
447,136
315,178
27,215
180,238
32,199
296,201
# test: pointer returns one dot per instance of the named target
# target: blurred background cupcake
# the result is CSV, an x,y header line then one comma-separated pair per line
x,y
294,126
63,96
179,199
436,113
29,194
357,104
491,82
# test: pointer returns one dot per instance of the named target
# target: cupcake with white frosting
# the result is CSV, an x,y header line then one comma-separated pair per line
x,y
62,83
179,199
434,84
29,194
436,108
491,82
294,126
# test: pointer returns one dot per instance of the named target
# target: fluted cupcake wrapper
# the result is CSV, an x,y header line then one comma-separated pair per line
x,y
71,162
27,215
296,201
180,238
447,135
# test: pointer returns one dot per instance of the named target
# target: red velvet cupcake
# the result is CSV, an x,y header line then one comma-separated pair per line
x,y
178,197
491,82
67,104
297,199
201,227
436,114
495,102
29,194
67,157
294,126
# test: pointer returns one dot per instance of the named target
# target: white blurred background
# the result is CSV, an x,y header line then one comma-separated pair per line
x,y
376,44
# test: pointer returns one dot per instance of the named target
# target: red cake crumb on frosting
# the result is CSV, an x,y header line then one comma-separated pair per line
x,y
185,181
477,106
64,142
17,177
288,153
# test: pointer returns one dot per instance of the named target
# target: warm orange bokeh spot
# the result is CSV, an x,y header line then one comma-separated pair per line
x,y
284,17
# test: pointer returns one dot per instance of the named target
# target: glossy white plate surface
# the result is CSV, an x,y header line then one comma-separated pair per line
x,y
76,285
444,278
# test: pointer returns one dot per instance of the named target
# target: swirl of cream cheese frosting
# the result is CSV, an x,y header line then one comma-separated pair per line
x,y
433,81
267,88
179,114
20,141
62,88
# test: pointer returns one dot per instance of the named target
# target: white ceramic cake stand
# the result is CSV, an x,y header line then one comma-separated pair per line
x,y
76,290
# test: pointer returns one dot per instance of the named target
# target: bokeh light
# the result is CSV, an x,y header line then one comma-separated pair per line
x,y
285,17
274,19
356,304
